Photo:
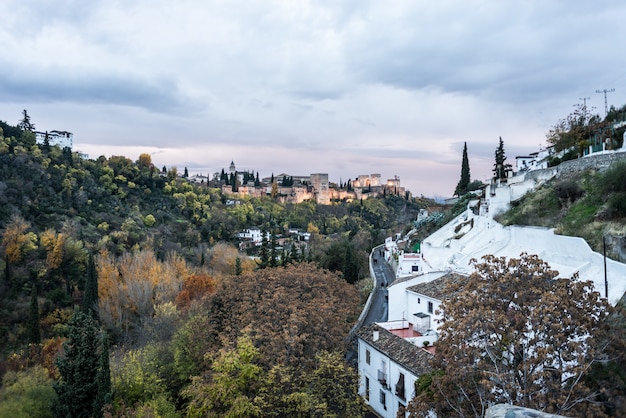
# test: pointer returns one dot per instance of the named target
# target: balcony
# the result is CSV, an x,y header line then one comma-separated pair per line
x,y
382,378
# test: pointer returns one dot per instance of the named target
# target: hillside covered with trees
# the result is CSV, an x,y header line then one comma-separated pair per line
x,y
114,268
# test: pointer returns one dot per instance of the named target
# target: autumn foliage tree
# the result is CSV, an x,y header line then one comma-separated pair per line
x,y
515,333
132,286
292,312
17,241
195,286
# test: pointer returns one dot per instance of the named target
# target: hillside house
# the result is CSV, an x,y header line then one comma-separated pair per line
x,y
61,139
389,365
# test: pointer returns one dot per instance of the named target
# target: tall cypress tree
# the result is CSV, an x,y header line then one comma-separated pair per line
x,y
34,333
461,187
90,297
264,252
103,378
77,389
273,254
501,169
350,265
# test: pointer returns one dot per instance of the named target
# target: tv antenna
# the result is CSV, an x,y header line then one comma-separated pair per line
x,y
606,104
584,99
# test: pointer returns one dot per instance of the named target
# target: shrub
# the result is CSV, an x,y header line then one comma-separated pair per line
x,y
569,191
614,179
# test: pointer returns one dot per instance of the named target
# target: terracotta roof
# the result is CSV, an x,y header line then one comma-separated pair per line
x,y
413,358
436,289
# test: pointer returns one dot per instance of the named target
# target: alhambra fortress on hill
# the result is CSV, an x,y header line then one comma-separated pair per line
x,y
300,188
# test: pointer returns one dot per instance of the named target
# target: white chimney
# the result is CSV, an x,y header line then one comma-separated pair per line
x,y
376,335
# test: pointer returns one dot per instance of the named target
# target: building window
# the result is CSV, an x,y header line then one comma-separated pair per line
x,y
367,388
383,399
367,356
430,307
400,387
382,373
419,301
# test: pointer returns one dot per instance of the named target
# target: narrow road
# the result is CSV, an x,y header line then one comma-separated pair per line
x,y
378,307
384,276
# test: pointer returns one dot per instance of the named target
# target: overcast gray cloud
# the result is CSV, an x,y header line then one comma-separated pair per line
x,y
347,88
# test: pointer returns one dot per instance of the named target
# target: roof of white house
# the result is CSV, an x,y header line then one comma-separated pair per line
x,y
413,358
438,288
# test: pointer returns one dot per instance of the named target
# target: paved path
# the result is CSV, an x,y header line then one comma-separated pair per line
x,y
384,276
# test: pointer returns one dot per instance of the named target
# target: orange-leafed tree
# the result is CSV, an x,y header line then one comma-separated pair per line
x,y
195,286
132,286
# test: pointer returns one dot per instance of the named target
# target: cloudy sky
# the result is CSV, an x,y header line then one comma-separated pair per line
x,y
340,87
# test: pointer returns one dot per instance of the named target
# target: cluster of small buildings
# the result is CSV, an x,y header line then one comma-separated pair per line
x,y
315,186
253,237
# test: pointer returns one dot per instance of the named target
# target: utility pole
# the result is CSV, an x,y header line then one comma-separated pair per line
x,y
606,104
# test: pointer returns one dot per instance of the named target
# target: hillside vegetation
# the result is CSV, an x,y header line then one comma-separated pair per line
x,y
123,292
588,204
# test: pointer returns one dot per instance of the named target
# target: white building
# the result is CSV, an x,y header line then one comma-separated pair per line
x,y
61,138
251,234
534,161
389,365
409,264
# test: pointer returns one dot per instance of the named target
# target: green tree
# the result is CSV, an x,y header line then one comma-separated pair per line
x,y
34,332
329,390
78,387
501,168
103,378
336,384
231,387
25,123
264,251
27,393
46,144
273,261
461,187
90,296
350,265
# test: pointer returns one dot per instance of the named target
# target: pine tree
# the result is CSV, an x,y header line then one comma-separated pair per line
x,y
77,389
501,169
461,187
34,333
46,144
25,124
90,297
186,173
103,378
